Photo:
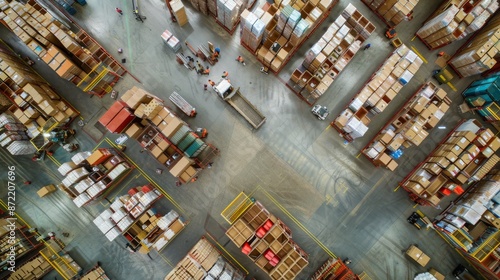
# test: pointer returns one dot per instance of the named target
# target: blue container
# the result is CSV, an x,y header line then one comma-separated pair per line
x,y
483,82
81,2
187,141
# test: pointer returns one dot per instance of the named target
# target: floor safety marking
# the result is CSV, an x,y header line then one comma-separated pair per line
x,y
150,180
225,251
419,55
297,222
452,86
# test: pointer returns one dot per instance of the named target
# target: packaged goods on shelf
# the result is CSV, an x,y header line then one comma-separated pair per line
x,y
118,219
410,126
275,35
464,157
454,21
35,268
377,93
392,12
80,157
484,96
41,32
481,53
472,225
96,273
331,54
199,262
267,241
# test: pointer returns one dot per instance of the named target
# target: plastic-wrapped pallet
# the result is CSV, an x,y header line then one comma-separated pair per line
x,y
80,157
113,234
81,199
21,148
66,167
165,221
148,198
74,176
216,270
118,170
118,215
83,185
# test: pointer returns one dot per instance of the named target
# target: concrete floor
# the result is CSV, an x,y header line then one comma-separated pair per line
x,y
297,166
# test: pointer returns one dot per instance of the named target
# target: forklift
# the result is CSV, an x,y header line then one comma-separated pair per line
x,y
419,220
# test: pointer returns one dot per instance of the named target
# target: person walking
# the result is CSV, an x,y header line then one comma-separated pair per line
x,y
240,60
212,83
225,74
367,46
118,10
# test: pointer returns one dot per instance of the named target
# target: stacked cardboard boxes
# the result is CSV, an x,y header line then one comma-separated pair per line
x,y
35,268
410,126
456,21
268,242
482,53
467,155
472,221
117,118
392,11
378,92
62,65
287,25
179,12
96,273
331,54
204,261
14,136
171,41
253,28
126,210
228,13
39,31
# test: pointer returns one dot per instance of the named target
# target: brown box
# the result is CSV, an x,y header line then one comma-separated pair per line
x,y
134,130
415,188
46,190
144,218
383,159
180,166
436,274
417,255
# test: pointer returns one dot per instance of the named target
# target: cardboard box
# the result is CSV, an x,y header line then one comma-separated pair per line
x,y
134,130
417,255
98,157
46,190
436,274
383,159
180,166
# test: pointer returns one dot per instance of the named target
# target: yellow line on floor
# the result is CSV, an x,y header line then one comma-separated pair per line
x,y
452,86
100,143
54,160
415,206
17,216
124,185
397,188
358,155
419,55
328,127
297,222
225,251
412,39
150,180
166,260
460,252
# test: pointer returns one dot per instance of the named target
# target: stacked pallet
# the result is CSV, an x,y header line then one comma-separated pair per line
x,y
481,53
253,26
268,242
484,95
40,31
287,25
179,12
466,156
408,127
456,22
228,12
392,11
14,136
331,54
378,92
204,262
35,268
35,101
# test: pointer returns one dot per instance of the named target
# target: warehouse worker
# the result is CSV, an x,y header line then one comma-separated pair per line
x,y
367,46
118,10
206,71
225,74
212,83
240,59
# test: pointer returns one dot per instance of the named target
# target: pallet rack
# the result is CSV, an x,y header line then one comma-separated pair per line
x,y
295,48
265,239
360,29
54,254
426,201
334,269
401,114
485,258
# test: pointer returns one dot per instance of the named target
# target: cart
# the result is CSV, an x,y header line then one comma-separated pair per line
x,y
419,220
182,104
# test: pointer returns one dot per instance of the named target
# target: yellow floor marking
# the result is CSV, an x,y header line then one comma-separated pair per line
x,y
298,223
412,39
225,251
17,216
150,180
54,160
356,208
415,206
397,188
451,86
328,127
100,143
166,260
358,155
419,55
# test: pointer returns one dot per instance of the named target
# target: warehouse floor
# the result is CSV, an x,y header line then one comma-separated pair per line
x,y
334,201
